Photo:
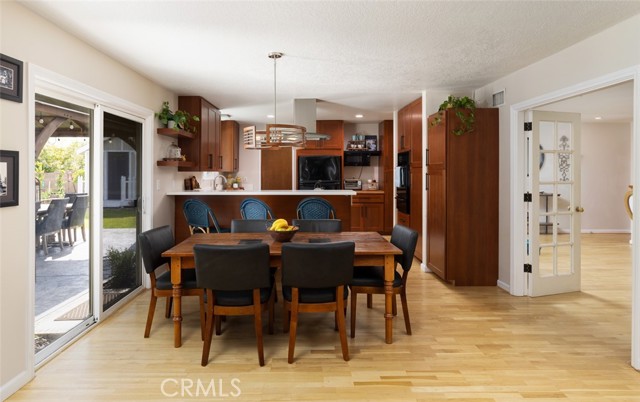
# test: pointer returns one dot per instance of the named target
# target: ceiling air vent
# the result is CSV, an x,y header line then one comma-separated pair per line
x,y
498,98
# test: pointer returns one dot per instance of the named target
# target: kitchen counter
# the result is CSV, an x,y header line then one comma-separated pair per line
x,y
226,204
306,193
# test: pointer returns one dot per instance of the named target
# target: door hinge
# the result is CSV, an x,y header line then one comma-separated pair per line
x,y
528,126
528,197
527,268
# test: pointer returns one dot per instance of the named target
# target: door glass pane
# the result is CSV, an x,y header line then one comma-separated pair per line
x,y
121,220
564,258
62,170
545,260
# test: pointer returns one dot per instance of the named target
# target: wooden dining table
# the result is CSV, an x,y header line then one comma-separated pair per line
x,y
371,249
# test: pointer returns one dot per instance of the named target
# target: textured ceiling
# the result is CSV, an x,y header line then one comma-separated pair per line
x,y
354,57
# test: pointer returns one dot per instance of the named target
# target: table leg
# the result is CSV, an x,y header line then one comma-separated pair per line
x,y
176,280
389,268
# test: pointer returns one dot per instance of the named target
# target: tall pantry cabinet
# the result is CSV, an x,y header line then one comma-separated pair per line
x,y
462,199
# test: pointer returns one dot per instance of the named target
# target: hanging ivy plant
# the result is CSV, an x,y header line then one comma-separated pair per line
x,y
464,108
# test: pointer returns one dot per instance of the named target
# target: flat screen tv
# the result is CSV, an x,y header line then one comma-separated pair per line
x,y
323,169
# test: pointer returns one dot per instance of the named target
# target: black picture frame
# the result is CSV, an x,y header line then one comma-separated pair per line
x,y
9,178
10,78
371,142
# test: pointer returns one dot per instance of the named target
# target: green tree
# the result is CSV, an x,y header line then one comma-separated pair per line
x,y
62,160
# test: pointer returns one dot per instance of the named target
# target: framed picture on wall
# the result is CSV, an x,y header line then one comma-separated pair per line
x,y
10,78
8,178
371,142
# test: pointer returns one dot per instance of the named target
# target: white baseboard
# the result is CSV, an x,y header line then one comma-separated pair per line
x,y
424,268
504,286
13,385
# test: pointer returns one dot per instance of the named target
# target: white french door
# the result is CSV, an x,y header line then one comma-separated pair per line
x,y
553,216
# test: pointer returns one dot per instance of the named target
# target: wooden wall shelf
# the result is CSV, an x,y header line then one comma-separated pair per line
x,y
170,132
175,163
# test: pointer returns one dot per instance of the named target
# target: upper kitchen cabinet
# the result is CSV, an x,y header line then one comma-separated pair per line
x,y
335,128
410,129
204,149
229,146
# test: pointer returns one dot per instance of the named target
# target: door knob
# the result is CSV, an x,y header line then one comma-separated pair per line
x,y
579,209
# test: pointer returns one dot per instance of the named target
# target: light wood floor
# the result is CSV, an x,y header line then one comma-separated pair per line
x,y
468,343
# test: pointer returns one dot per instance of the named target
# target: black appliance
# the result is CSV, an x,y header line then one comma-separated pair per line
x,y
402,183
358,158
319,171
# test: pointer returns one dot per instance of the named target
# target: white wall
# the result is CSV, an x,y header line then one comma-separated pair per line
x,y
33,40
610,51
606,173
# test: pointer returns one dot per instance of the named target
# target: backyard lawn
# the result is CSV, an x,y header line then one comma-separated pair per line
x,y
119,218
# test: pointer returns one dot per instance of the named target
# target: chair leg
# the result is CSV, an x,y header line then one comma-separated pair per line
x,y
394,306
167,308
60,238
293,325
84,236
354,300
369,300
45,246
152,310
342,326
218,325
257,320
203,316
405,310
208,334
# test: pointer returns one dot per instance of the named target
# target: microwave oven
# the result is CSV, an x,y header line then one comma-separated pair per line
x,y
357,158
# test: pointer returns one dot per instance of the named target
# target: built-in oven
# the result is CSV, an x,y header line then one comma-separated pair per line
x,y
402,182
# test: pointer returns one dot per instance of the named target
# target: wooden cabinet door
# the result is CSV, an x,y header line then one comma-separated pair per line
x,y
373,216
385,142
388,187
203,149
275,169
415,122
416,206
229,145
437,222
335,128
357,218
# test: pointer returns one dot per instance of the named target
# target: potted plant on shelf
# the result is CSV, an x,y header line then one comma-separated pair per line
x,y
184,119
465,110
166,115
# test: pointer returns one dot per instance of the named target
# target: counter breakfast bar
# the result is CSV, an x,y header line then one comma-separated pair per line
x,y
226,204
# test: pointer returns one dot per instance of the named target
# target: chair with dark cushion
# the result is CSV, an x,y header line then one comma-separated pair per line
x,y
75,218
315,208
153,243
200,217
318,225
370,280
51,222
250,225
237,282
315,278
253,208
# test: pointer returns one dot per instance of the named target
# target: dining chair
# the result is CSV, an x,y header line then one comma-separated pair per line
x,y
237,282
253,208
318,225
315,278
370,280
75,218
315,208
153,243
250,225
51,223
200,217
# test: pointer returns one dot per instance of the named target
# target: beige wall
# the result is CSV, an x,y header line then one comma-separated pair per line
x,y
27,37
610,51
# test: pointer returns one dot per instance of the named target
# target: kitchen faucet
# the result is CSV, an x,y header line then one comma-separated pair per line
x,y
215,183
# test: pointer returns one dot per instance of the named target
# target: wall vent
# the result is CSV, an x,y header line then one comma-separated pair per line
x,y
498,99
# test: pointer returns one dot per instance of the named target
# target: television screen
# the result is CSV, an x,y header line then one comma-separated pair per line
x,y
313,168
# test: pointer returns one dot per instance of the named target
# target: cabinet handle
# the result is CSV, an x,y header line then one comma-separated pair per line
x,y
427,182
210,161
220,166
426,161
235,164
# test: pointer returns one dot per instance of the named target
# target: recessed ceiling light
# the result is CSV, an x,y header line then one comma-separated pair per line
x,y
598,118
270,116
359,116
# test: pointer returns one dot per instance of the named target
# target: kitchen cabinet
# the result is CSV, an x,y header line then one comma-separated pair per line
x,y
387,167
367,211
334,128
414,120
229,146
462,194
415,202
204,149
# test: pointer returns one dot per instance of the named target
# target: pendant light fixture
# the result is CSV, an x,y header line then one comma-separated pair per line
x,y
276,135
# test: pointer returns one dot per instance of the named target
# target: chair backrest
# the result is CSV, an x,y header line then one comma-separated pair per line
x,y
253,208
197,213
250,225
318,225
232,267
78,211
52,222
405,239
315,208
317,265
153,243
72,196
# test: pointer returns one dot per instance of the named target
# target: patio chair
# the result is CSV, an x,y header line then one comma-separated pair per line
x,y
75,218
51,223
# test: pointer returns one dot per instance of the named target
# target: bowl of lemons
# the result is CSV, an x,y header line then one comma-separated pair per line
x,y
281,231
